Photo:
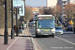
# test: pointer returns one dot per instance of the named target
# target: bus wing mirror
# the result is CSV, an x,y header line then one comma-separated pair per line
x,y
35,23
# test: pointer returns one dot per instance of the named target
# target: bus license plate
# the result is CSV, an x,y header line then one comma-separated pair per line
x,y
45,34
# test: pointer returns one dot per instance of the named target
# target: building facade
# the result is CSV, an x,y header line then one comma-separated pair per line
x,y
2,14
51,3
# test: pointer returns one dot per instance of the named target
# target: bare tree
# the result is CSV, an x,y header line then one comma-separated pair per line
x,y
70,11
57,11
48,10
28,14
41,10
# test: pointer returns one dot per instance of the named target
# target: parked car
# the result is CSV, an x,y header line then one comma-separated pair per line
x,y
59,30
69,28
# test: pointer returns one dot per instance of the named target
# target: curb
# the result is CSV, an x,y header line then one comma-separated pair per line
x,y
33,43
34,46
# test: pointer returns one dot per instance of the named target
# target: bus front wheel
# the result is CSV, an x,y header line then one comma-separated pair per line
x,y
37,35
53,36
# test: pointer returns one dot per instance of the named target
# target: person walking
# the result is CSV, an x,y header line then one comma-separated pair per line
x,y
21,30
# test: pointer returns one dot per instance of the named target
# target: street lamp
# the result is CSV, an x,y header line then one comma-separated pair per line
x,y
46,3
12,30
6,31
16,23
4,4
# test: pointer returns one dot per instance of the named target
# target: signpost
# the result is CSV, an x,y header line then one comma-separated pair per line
x,y
22,12
21,5
17,4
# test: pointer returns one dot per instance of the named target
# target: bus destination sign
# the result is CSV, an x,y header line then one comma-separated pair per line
x,y
42,18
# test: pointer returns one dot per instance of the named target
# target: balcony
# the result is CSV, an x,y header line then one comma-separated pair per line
x,y
64,3
63,7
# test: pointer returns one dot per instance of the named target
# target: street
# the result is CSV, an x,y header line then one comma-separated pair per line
x,y
59,42
23,21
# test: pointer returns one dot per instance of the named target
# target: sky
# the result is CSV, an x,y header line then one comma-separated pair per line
x,y
36,3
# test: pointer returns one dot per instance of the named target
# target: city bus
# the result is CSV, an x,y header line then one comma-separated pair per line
x,y
45,25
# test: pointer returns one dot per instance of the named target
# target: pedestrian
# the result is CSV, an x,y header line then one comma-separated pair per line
x,y
17,29
65,24
32,26
21,30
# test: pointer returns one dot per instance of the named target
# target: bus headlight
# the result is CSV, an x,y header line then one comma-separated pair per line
x,y
53,29
38,30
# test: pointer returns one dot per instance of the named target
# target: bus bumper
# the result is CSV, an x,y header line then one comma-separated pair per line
x,y
46,33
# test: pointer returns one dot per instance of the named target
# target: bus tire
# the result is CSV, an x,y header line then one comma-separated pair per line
x,y
53,36
61,34
37,35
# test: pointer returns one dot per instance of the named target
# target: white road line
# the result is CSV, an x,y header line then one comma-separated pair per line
x,y
11,44
65,40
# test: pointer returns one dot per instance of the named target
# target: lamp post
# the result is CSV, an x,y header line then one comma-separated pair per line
x,y
5,31
12,30
46,3
16,23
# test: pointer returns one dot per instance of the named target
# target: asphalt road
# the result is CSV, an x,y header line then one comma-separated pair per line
x,y
59,42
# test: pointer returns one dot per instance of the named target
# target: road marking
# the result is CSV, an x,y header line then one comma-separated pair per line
x,y
11,44
35,47
37,44
65,40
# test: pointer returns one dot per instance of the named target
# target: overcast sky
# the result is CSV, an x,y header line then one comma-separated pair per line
x,y
36,3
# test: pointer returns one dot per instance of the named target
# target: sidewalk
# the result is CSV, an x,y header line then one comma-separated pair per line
x,y
21,42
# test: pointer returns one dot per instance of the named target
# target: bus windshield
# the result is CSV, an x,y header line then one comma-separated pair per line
x,y
46,24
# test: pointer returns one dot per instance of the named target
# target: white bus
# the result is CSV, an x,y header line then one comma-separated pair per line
x,y
45,25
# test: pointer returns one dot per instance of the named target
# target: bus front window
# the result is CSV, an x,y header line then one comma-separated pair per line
x,y
46,24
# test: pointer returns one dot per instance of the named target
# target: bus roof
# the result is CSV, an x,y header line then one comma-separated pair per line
x,y
44,15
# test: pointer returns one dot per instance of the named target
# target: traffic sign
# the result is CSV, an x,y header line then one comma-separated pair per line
x,y
22,10
17,3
